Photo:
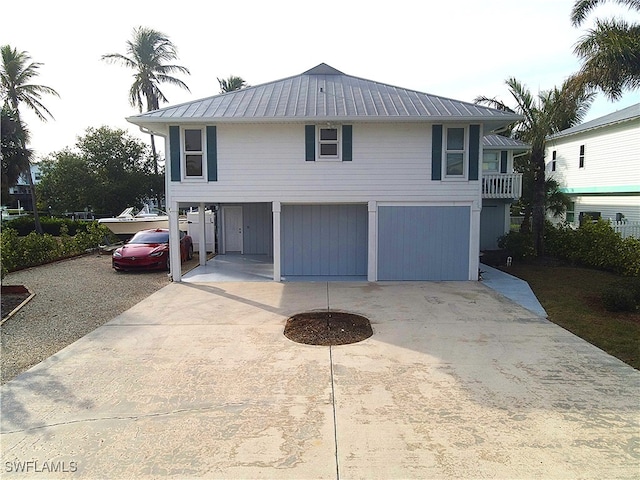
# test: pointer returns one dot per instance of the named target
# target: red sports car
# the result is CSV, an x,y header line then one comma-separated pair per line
x,y
149,249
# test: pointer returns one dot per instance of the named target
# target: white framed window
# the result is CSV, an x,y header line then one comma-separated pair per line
x,y
553,160
193,152
455,152
491,162
581,159
328,143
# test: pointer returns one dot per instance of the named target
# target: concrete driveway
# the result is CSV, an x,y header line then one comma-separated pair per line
x,y
198,381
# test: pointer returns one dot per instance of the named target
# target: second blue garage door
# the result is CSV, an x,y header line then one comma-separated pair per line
x,y
423,243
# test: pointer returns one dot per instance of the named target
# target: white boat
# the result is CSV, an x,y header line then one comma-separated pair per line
x,y
128,223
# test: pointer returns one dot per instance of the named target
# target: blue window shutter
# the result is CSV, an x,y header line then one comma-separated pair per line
x,y
174,152
347,143
474,151
310,142
503,161
436,152
212,154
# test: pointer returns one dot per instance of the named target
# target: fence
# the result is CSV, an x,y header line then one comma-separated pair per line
x,y
625,228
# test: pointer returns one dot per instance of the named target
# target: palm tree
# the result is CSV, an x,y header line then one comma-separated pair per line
x,y
147,54
15,75
15,157
610,51
550,112
231,84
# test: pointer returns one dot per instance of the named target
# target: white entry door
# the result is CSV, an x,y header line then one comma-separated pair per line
x,y
232,228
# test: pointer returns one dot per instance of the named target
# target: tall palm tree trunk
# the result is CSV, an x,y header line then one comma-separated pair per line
x,y
538,212
32,187
155,165
36,215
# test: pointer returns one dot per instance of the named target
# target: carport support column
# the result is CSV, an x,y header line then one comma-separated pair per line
x,y
276,208
174,243
474,240
372,261
202,235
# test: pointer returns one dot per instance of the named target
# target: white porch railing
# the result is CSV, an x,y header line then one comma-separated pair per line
x,y
501,185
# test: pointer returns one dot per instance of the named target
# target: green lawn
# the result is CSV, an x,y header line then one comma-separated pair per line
x,y
571,297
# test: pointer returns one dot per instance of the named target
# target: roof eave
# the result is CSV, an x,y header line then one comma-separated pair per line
x,y
490,123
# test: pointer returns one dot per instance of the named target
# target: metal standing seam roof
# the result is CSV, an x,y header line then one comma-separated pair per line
x,y
623,115
323,93
499,141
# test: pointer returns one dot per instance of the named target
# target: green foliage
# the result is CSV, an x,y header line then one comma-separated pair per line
x,y
622,296
596,245
33,249
518,244
109,171
52,226
15,156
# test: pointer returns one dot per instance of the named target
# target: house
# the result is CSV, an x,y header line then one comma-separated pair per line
x,y
597,164
501,186
20,193
331,175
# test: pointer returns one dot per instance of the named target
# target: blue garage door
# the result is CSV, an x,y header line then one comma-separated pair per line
x,y
324,240
423,243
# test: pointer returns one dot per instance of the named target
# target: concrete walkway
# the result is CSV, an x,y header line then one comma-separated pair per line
x,y
198,381
513,288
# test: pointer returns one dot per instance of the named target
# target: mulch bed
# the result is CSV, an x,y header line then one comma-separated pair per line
x,y
12,296
327,328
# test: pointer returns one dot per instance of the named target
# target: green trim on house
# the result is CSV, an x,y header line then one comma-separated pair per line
x,y
212,154
174,152
347,143
310,143
474,151
436,152
616,189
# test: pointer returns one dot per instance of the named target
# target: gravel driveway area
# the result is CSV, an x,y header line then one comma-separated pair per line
x,y
72,298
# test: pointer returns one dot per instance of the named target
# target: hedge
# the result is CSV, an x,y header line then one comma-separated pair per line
x,y
593,244
32,249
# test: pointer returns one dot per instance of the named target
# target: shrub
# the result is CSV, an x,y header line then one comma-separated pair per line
x,y
622,296
25,225
33,249
518,244
596,245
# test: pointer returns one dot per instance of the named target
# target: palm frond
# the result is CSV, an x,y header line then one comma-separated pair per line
x,y
147,54
582,8
611,55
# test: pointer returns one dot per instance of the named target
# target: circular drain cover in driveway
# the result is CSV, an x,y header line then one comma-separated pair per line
x,y
327,328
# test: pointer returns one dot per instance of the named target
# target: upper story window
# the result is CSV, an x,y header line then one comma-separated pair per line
x,y
193,152
553,161
455,151
581,156
491,162
328,143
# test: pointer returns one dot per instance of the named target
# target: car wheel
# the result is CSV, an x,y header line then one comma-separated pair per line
x,y
190,252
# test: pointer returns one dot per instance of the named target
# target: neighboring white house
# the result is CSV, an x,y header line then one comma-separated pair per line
x,y
332,175
501,186
597,164
20,193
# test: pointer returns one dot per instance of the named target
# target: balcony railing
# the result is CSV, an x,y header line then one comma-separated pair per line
x,y
501,185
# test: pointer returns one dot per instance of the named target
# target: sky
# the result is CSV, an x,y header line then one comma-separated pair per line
x,y
455,48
